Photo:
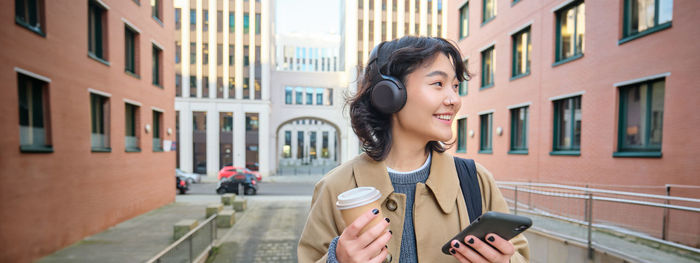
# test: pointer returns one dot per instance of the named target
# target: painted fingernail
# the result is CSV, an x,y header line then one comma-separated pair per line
x,y
491,239
387,219
391,233
471,240
456,245
452,251
385,246
375,211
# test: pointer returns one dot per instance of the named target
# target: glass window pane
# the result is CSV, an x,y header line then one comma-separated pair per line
x,y
636,114
644,10
576,144
665,11
567,34
580,28
464,20
564,129
657,113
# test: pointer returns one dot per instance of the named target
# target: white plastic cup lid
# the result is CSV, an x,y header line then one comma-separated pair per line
x,y
357,197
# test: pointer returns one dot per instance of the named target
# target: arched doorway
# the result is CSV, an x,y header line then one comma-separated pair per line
x,y
307,146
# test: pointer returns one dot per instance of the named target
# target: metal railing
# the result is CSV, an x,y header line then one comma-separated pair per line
x,y
191,246
660,218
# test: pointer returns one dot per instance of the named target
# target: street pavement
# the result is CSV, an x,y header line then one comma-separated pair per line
x,y
264,188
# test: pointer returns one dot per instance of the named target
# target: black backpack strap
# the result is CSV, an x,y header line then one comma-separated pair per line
x,y
469,182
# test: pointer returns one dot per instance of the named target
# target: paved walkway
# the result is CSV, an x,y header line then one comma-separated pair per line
x,y
134,240
267,232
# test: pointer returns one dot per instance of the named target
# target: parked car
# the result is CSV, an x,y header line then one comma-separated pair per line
x,y
254,166
231,184
191,178
181,184
228,171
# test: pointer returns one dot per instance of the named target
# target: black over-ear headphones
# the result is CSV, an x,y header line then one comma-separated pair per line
x,y
388,93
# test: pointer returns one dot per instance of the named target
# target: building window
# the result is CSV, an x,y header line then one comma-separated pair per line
x,y
324,145
156,10
299,95
319,96
487,67
178,18
330,97
485,143
97,31
205,20
567,126
288,95
219,21
257,24
464,21
641,119
178,50
489,10
463,86
205,53
99,109
178,85
522,49
34,120
246,88
312,146
643,17
199,142
193,20
131,140
300,145
219,54
462,135
30,14
157,131
309,96
157,61
225,139
231,22
130,50
287,148
230,55
571,28
518,130
193,53
246,23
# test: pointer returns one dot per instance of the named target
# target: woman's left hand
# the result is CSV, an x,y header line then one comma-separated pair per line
x,y
480,251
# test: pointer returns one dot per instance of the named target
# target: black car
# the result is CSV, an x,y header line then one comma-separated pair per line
x,y
231,184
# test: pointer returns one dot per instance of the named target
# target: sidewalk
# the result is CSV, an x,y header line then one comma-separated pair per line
x,y
137,239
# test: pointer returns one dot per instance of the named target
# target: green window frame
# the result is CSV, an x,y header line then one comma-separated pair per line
x,y
462,135
640,131
96,31
567,126
99,109
131,135
130,50
519,121
157,61
464,21
570,41
486,133
34,118
155,10
488,11
30,15
157,131
522,53
488,66
464,85
637,23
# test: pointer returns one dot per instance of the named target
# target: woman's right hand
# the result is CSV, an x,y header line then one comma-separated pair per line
x,y
369,246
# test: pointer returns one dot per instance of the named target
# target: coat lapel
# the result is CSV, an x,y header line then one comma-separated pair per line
x,y
369,172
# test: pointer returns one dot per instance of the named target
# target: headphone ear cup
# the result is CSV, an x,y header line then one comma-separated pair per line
x,y
388,95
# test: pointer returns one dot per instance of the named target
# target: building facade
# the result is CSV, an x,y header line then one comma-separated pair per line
x,y
585,93
222,74
87,113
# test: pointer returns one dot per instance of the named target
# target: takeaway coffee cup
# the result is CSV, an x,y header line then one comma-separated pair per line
x,y
354,202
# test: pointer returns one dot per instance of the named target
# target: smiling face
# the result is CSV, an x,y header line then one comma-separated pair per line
x,y
431,103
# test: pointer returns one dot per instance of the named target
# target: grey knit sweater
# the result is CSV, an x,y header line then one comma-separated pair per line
x,y
404,183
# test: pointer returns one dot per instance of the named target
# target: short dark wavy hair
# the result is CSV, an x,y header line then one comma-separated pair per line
x,y
397,58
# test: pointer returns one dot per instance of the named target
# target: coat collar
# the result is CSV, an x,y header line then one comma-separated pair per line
x,y
442,182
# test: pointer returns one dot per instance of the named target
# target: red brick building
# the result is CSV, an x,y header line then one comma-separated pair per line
x,y
595,93
606,100
87,119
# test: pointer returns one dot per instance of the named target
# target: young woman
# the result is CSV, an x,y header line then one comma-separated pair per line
x,y
403,136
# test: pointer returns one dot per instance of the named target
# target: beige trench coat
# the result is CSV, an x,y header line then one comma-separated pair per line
x,y
439,212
